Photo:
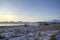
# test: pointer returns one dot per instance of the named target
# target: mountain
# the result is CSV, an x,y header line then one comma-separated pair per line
x,y
55,20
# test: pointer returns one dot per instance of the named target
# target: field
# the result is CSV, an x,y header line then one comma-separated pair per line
x,y
30,32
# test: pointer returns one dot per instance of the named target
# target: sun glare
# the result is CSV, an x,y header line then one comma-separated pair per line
x,y
8,18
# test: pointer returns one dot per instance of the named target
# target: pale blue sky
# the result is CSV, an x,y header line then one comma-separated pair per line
x,y
29,10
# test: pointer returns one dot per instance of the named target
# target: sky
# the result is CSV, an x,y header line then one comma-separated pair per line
x,y
29,10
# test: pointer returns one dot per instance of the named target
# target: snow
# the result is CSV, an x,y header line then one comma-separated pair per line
x,y
31,34
45,38
20,34
17,38
7,34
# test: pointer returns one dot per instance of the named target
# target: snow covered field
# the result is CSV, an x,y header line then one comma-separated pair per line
x,y
40,35
27,33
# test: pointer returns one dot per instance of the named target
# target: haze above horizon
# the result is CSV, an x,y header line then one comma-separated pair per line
x,y
29,10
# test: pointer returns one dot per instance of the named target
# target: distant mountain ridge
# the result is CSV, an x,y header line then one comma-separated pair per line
x,y
55,21
51,21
